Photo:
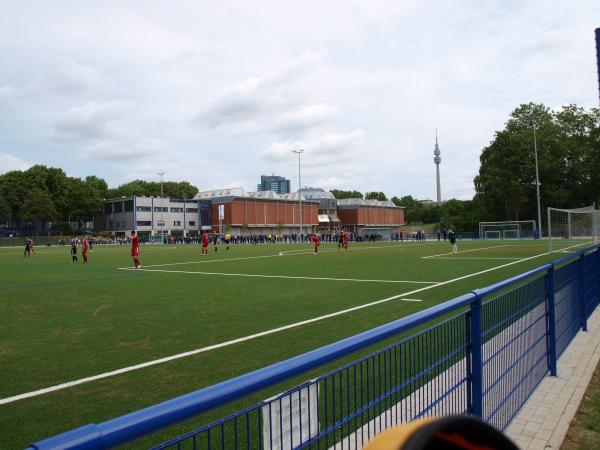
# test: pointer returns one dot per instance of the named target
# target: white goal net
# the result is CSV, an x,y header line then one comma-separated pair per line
x,y
570,227
515,229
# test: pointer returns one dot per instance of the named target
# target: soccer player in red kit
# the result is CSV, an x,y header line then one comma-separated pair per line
x,y
205,244
135,249
345,238
317,242
84,249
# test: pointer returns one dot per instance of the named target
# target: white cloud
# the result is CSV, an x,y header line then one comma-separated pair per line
x,y
304,117
88,121
9,162
11,95
269,103
257,82
72,77
122,151
317,150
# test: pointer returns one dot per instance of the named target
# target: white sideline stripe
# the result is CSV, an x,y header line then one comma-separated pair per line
x,y
466,251
290,277
68,384
410,299
474,257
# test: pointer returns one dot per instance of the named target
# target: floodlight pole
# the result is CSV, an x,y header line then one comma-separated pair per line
x,y
162,222
537,182
299,152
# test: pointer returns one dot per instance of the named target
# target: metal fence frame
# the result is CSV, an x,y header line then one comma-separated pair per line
x,y
482,353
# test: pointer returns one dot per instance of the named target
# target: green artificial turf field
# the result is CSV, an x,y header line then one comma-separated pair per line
x,y
63,322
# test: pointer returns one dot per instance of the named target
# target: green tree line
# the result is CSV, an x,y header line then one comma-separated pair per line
x,y
568,148
47,194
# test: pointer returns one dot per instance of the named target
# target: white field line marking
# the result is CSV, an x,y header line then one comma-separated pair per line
x,y
69,384
285,253
61,386
471,257
351,248
410,299
466,251
214,260
290,277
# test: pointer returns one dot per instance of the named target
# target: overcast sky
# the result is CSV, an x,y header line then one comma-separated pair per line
x,y
218,93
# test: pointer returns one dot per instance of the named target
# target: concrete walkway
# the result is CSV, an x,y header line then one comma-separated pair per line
x,y
544,420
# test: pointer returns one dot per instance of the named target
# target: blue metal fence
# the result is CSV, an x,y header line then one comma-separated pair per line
x,y
482,353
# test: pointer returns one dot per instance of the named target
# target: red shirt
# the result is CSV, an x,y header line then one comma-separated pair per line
x,y
84,248
205,239
345,238
316,240
135,243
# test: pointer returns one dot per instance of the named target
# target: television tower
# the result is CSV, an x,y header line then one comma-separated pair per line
x,y
437,160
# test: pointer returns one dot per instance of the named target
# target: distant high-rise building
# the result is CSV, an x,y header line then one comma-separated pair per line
x,y
437,160
274,183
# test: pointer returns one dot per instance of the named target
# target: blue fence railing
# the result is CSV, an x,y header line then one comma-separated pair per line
x,y
482,353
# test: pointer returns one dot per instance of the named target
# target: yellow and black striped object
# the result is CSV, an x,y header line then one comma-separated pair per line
x,y
447,433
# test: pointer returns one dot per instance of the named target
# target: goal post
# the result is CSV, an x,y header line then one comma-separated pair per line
x,y
508,229
569,227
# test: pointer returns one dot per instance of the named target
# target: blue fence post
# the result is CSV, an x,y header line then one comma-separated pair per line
x,y
476,357
582,302
551,320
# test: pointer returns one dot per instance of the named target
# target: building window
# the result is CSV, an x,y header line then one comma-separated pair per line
x,y
192,223
144,209
160,224
191,210
158,208
118,207
176,223
143,223
177,210
128,205
108,208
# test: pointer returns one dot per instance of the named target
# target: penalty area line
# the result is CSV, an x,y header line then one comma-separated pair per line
x,y
69,384
466,251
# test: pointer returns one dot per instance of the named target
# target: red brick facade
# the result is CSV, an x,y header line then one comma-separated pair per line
x,y
270,213
371,215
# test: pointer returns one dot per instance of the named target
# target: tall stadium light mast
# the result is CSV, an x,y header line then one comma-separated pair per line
x,y
597,32
162,222
537,182
299,152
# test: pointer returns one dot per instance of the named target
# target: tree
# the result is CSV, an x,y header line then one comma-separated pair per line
x,y
14,189
5,210
376,196
38,207
568,161
173,189
340,194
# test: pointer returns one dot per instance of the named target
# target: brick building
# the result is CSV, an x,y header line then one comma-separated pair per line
x,y
239,212
370,216
261,212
